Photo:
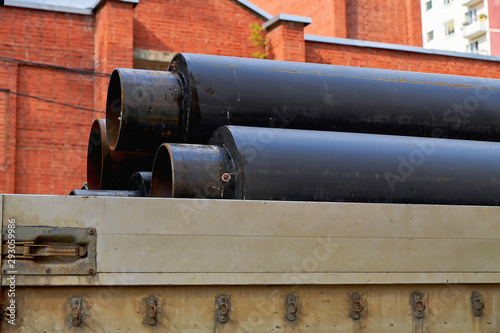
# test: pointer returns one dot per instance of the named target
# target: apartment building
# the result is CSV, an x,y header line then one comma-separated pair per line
x,y
471,26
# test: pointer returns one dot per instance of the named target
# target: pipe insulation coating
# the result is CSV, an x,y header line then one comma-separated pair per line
x,y
281,164
199,93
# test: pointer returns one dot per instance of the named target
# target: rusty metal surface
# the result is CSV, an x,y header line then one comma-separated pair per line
x,y
386,308
50,251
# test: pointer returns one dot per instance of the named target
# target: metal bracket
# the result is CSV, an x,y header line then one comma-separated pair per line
x,y
417,304
477,303
356,306
49,250
151,309
76,311
292,307
222,308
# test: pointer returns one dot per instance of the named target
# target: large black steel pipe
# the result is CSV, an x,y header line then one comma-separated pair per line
x,y
282,164
220,90
107,169
142,107
191,171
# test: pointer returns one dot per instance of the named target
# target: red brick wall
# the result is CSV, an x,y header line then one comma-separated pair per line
x,y
328,16
220,27
45,143
414,23
399,60
388,21
8,81
113,44
52,139
286,41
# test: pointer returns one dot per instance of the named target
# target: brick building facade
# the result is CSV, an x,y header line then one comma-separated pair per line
x,y
56,61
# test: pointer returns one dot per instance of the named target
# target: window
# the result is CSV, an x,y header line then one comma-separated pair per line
x,y
471,16
448,2
428,5
473,47
449,28
430,35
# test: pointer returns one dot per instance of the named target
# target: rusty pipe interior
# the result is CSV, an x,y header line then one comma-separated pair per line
x,y
111,170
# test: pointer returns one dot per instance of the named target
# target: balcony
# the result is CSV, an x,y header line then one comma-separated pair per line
x,y
470,3
475,29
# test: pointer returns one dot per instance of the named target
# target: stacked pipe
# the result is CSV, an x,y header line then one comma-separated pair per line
x,y
235,128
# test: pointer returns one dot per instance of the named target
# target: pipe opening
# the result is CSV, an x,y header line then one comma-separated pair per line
x,y
95,154
163,174
114,109
140,182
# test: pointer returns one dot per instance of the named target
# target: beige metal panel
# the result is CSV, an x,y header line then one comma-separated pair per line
x,y
57,211
137,216
327,241
165,253
257,309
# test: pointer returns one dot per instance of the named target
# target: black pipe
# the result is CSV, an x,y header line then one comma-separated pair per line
x,y
142,106
104,193
191,171
141,182
220,90
281,164
111,170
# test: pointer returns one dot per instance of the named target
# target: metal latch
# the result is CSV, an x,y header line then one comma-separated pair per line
x,y
151,310
76,311
292,307
29,250
417,303
356,306
477,303
49,250
222,308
